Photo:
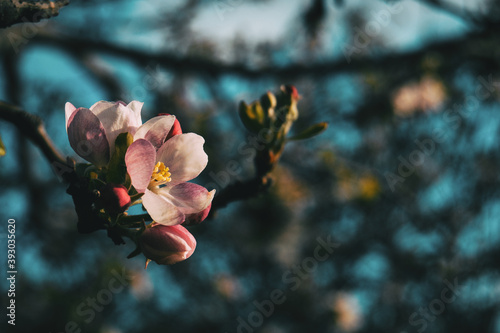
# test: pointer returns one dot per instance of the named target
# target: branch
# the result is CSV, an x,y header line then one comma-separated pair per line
x,y
102,73
453,50
239,191
18,11
32,127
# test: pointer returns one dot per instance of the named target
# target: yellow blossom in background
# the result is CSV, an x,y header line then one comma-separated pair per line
x,y
369,187
352,182
352,186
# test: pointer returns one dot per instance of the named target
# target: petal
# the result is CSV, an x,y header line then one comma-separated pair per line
x,y
161,210
69,109
197,218
140,160
183,154
189,198
101,105
87,137
155,130
136,107
176,128
116,119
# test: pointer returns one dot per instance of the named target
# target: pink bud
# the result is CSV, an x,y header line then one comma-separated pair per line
x,y
175,130
167,245
292,91
197,218
114,198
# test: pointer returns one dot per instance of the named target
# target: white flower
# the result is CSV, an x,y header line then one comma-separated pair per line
x,y
92,132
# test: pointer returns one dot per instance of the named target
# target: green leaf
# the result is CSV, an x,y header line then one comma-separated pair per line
x,y
2,148
268,101
117,170
310,132
252,116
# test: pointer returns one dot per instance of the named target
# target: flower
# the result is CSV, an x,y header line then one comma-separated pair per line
x,y
167,245
160,161
92,132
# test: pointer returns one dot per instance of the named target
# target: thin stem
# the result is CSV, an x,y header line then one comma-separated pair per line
x,y
13,12
31,126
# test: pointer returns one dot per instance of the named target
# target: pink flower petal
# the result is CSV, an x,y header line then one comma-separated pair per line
x,y
69,109
184,155
155,130
197,218
140,160
161,210
87,137
176,128
190,198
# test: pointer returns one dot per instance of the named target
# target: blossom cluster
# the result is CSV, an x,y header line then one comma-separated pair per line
x,y
150,164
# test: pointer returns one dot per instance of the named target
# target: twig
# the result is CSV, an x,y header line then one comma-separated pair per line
x,y
239,191
102,73
31,126
17,11
465,45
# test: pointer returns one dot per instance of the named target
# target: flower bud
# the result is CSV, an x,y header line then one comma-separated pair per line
x,y
197,218
252,116
291,91
114,198
176,128
167,245
268,100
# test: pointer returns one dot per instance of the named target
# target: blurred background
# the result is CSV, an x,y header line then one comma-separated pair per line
x,y
403,181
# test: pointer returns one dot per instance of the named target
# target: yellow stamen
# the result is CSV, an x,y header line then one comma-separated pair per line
x,y
160,175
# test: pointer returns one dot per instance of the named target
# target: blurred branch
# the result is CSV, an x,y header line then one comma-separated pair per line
x,y
17,11
102,73
239,191
31,126
458,48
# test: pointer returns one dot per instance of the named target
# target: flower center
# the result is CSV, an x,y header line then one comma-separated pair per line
x,y
160,175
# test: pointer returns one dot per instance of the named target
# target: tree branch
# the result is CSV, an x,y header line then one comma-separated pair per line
x,y
18,11
32,127
466,46
239,191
